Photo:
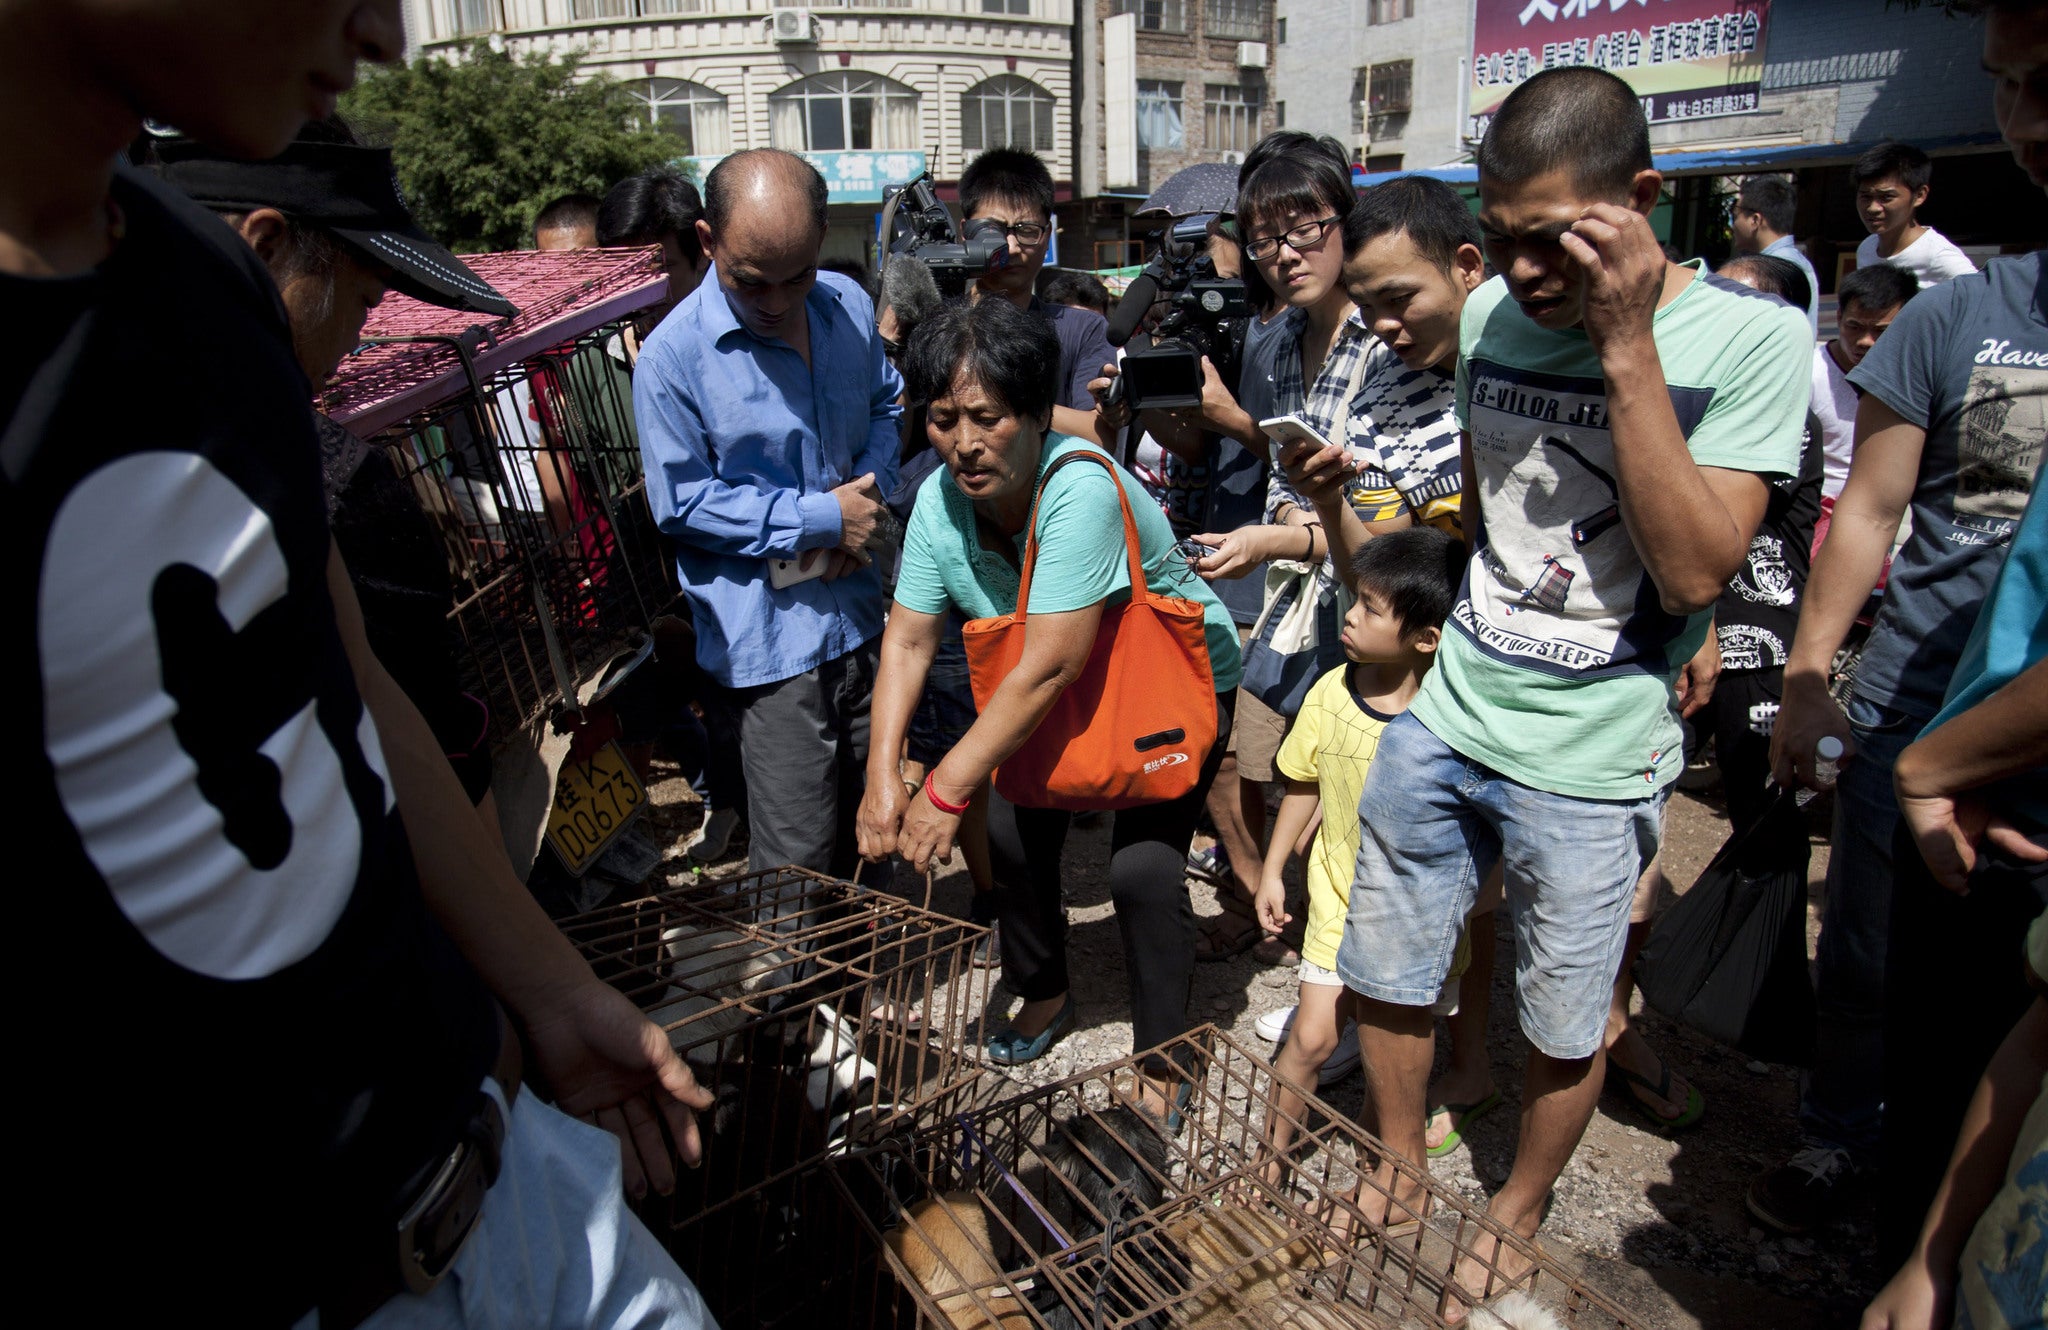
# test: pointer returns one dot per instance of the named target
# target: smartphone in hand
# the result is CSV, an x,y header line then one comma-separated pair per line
x,y
1293,434
788,572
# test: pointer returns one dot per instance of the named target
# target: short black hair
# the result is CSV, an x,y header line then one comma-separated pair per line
x,y
1574,118
853,268
1770,197
1431,213
642,209
1006,173
1068,287
718,185
1417,571
1913,167
1877,287
1773,276
567,213
1293,171
1014,355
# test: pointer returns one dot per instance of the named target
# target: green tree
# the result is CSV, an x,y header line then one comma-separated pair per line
x,y
484,140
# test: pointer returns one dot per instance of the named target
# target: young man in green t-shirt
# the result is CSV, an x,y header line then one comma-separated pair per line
x,y
1620,415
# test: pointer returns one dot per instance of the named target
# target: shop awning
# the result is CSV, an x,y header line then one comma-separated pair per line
x,y
1721,161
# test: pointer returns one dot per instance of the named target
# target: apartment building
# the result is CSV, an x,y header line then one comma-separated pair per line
x,y
874,91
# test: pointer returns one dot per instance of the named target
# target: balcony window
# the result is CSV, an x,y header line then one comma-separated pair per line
x,y
842,111
1236,20
1230,117
634,8
1389,87
1159,122
690,111
1006,112
1006,6
1158,15
1388,11
462,18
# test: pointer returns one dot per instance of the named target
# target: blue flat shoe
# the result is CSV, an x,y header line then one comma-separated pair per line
x,y
1007,1048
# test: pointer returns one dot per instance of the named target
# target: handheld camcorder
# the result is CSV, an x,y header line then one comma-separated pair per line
x,y
1205,316
916,224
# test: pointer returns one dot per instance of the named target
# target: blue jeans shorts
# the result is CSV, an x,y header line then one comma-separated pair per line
x,y
1434,824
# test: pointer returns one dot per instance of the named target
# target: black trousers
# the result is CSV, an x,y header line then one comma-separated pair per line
x,y
1955,982
1743,755
1147,882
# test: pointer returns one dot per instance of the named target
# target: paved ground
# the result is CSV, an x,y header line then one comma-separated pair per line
x,y
1658,1223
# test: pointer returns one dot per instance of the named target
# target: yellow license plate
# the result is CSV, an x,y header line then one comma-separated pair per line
x,y
594,799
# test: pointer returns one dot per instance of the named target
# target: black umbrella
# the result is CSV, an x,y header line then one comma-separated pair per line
x,y
1203,187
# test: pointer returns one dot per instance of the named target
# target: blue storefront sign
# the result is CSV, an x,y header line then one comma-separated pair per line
x,y
850,177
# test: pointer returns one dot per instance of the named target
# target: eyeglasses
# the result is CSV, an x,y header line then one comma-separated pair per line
x,y
1301,239
1028,232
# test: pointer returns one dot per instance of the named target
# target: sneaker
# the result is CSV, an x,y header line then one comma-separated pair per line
x,y
1272,1026
707,843
1806,1191
1209,865
1342,1062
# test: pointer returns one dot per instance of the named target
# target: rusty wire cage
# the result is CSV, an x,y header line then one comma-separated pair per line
x,y
1064,1207
787,992
518,439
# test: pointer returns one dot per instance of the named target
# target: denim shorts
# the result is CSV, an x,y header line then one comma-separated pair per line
x,y
1434,824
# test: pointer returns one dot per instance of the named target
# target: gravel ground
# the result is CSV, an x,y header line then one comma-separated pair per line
x,y
1657,1222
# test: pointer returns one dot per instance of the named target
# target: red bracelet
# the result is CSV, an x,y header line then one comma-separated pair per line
x,y
932,794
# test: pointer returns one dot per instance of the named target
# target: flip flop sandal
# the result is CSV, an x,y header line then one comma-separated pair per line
x,y
1467,1114
1210,951
1695,1103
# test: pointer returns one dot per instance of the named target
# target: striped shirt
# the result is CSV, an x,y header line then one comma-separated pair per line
x,y
1403,435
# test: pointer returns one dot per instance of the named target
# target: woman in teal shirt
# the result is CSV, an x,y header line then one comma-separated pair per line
x,y
985,374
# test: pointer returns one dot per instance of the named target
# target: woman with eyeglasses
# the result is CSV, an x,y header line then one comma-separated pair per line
x,y
984,376
1293,195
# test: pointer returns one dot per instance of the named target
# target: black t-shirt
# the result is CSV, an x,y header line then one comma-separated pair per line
x,y
249,1033
1756,613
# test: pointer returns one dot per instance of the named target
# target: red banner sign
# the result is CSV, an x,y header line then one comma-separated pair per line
x,y
1688,59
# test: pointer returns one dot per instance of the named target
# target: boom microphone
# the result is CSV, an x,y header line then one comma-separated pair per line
x,y
1130,311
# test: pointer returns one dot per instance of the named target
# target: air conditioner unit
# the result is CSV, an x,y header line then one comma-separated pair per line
x,y
1251,55
791,25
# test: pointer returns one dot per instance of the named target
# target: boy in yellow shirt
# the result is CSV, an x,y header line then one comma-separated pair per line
x,y
1406,582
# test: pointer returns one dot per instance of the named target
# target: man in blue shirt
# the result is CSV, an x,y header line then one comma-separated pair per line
x,y
1761,223
768,421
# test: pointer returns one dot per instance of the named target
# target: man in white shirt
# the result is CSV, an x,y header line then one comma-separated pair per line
x,y
1870,298
1892,183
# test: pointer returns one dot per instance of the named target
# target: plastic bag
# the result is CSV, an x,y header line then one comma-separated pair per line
x,y
1729,957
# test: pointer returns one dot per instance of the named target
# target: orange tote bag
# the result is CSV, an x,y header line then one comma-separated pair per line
x,y
1136,726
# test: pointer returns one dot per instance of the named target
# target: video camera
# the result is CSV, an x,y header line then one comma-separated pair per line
x,y
1205,317
916,224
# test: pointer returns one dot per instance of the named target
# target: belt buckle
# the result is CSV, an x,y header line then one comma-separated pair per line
x,y
437,1225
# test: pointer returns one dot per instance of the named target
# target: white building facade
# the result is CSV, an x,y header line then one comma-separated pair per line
x,y
872,90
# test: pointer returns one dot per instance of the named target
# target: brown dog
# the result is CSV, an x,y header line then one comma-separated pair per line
x,y
951,1230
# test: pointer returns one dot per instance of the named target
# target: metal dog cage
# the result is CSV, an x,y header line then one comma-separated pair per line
x,y
518,438
1063,1207
787,991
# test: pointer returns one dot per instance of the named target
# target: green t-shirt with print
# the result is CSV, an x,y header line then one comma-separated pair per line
x,y
1558,663
1081,554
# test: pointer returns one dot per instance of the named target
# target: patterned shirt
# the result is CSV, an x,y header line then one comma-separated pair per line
x,y
1403,436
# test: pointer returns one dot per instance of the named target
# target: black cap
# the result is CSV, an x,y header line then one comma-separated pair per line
x,y
348,190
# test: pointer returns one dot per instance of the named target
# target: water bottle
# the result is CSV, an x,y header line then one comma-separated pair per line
x,y
1827,761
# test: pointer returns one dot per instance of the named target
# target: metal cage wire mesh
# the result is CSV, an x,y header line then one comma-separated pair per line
x,y
784,990
519,441
1234,1236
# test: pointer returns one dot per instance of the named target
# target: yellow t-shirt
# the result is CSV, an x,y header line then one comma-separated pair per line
x,y
1332,743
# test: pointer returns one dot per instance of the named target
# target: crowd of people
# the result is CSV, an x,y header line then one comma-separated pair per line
x,y
1478,518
